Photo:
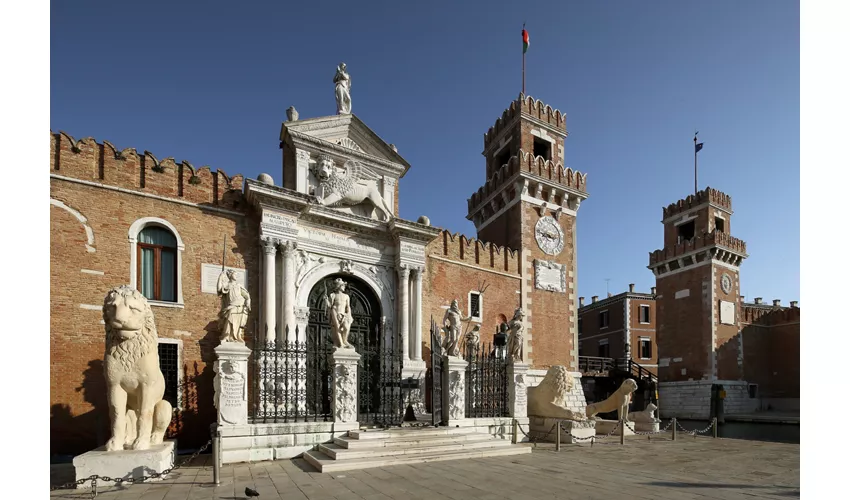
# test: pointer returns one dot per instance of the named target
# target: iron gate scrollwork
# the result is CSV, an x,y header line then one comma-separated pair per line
x,y
486,382
381,400
435,376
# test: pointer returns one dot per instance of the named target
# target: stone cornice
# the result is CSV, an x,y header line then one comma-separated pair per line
x,y
413,230
508,183
608,301
300,139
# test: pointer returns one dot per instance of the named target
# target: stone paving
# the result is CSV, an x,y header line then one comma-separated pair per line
x,y
661,469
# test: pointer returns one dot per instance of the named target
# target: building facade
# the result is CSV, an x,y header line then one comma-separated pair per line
x,y
167,228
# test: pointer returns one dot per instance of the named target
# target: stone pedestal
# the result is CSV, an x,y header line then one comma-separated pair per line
x,y
344,398
454,390
125,464
540,428
518,390
604,427
646,426
415,397
231,383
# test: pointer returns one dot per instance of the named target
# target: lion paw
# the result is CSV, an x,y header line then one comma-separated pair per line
x,y
115,444
142,444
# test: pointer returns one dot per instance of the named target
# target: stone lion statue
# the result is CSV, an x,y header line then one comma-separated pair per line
x,y
618,401
549,399
135,385
645,416
357,185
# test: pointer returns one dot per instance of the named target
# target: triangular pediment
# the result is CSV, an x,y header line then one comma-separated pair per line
x,y
346,131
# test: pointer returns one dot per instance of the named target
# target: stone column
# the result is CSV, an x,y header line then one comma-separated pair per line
x,y
417,316
231,383
269,251
404,309
288,296
454,389
344,399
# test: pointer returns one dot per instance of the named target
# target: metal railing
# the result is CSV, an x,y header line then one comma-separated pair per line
x,y
486,383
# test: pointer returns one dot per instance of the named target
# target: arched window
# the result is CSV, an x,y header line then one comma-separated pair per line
x,y
157,262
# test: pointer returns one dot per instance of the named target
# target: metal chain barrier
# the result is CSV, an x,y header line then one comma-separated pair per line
x,y
154,475
649,433
535,440
695,432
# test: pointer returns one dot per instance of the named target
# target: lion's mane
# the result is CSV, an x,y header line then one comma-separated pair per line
x,y
559,382
127,352
336,183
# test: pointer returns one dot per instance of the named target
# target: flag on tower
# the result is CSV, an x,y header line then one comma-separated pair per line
x,y
697,147
524,40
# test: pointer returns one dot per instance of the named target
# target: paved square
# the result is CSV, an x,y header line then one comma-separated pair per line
x,y
701,468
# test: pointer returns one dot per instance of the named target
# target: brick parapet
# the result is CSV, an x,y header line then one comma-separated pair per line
x,y
707,240
707,195
529,106
458,248
769,316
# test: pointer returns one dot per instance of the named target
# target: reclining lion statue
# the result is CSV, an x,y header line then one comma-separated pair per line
x,y
618,401
135,385
645,416
548,400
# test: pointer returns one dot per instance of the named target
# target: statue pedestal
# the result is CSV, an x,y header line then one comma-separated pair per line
x,y
646,426
231,383
344,399
543,429
454,390
517,390
125,464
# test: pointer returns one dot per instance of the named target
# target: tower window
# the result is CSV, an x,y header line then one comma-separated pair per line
x,y
719,224
542,148
686,231
645,348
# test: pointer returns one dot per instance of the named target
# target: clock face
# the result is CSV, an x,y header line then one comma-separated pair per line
x,y
726,283
549,235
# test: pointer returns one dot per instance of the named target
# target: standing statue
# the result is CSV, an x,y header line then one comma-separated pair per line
x,y
338,305
343,90
134,381
451,324
235,306
472,341
516,337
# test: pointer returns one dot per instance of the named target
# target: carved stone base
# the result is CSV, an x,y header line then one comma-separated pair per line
x,y
543,429
231,383
518,390
454,389
125,464
344,399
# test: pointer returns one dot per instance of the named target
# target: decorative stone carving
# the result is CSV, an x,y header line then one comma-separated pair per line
x,y
302,155
266,179
456,395
451,325
726,283
235,306
302,315
355,186
338,305
472,341
517,390
291,114
348,143
345,394
138,415
270,245
549,235
304,262
645,416
618,401
231,383
342,83
516,335
550,398
288,248
550,276
345,266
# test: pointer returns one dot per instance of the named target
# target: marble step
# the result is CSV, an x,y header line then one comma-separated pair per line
x,y
337,452
406,432
323,463
406,441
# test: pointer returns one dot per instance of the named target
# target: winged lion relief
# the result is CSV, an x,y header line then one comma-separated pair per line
x,y
355,185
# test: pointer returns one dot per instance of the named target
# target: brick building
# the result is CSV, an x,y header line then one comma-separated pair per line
x,y
119,216
621,326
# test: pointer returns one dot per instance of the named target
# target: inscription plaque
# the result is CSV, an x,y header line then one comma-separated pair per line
x,y
550,276
210,274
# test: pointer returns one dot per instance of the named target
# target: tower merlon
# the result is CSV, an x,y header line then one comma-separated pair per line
x,y
707,196
540,113
715,245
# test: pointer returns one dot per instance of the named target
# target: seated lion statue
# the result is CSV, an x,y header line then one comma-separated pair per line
x,y
618,401
645,416
135,385
548,400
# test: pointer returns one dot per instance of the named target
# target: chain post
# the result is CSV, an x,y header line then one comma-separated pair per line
x,y
622,431
217,456
515,439
558,436
714,424
674,428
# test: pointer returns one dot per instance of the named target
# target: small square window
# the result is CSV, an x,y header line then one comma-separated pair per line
x,y
644,314
719,225
687,231
753,390
604,350
542,148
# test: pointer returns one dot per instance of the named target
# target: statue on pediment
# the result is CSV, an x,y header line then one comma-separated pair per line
x,y
342,80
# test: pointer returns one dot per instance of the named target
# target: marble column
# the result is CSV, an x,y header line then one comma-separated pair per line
x,y
417,316
288,296
404,309
269,310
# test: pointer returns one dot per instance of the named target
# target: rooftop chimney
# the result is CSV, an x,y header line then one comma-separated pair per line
x,y
776,302
581,301
653,290
631,288
609,295
593,299
758,300
793,303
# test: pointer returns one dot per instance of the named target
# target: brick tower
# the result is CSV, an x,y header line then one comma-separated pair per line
x,y
698,290
529,203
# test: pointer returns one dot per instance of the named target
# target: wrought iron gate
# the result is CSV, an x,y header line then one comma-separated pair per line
x,y
381,401
435,375
486,383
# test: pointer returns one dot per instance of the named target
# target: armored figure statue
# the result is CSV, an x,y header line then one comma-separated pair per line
x,y
343,90
338,305
235,306
451,321
516,336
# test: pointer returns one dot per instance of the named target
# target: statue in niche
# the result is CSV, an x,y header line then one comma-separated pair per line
x,y
235,306
451,325
342,81
338,305
516,335
355,186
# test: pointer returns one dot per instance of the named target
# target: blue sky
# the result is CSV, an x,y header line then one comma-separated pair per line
x,y
209,82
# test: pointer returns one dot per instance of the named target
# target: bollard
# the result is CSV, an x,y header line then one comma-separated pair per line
x,y
515,439
623,431
558,435
674,428
217,457
714,426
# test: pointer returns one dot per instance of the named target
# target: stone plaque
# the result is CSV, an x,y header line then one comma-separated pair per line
x,y
278,224
550,276
210,274
727,312
233,402
345,243
681,294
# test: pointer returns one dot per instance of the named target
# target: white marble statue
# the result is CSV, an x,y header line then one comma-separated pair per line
x,y
356,185
451,325
338,305
618,401
342,82
516,336
550,398
235,306
138,415
472,341
645,416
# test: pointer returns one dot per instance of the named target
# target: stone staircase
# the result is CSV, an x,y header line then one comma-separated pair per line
x,y
363,449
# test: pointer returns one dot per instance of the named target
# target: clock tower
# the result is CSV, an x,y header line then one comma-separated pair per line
x,y
529,203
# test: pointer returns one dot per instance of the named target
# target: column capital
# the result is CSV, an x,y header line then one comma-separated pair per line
x,y
403,271
269,244
288,248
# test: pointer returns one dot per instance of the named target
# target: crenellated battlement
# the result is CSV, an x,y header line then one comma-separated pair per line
x,y
707,195
769,316
528,105
707,240
526,162
88,160
459,248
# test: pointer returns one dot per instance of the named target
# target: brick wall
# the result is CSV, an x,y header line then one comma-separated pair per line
x,y
772,351
638,330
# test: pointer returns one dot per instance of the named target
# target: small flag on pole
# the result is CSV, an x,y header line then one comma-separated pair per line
x,y
524,41
697,147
